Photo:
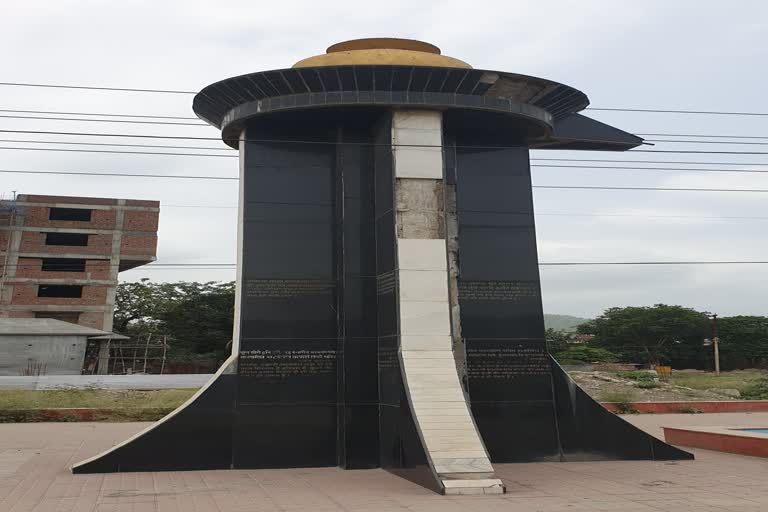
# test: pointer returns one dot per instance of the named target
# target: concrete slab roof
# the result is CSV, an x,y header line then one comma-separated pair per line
x,y
45,327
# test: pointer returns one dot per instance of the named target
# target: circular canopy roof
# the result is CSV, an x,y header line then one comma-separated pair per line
x,y
383,72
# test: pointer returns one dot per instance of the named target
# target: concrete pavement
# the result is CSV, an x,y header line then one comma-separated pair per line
x,y
34,477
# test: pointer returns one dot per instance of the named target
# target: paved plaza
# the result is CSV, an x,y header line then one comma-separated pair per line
x,y
34,476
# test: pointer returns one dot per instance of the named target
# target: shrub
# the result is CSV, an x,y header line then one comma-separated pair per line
x,y
647,384
756,391
638,376
582,354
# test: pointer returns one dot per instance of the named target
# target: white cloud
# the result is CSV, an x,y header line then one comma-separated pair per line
x,y
682,54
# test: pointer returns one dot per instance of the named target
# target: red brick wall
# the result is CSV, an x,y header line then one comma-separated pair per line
x,y
140,221
143,203
138,245
31,267
21,314
66,199
91,319
34,241
37,216
27,294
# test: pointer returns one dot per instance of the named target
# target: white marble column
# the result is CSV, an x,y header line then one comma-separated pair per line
x,y
448,433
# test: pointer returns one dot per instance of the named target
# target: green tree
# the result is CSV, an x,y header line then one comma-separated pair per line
x,y
744,341
557,341
197,317
656,334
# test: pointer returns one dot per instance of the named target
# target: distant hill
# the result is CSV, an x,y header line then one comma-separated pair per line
x,y
562,322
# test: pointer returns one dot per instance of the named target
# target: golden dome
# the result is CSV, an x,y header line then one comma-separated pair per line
x,y
382,51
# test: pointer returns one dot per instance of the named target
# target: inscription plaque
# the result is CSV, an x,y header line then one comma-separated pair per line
x,y
286,363
508,291
507,362
286,288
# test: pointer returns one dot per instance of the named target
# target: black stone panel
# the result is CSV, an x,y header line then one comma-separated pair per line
x,y
286,370
588,431
523,431
508,370
357,379
360,436
199,436
360,312
284,436
521,414
291,347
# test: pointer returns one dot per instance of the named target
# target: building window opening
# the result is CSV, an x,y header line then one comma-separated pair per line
x,y
63,265
76,214
65,316
73,239
67,291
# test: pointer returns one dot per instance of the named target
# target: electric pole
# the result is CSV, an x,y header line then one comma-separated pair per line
x,y
716,342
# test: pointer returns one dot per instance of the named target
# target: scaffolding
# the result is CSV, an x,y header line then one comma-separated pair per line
x,y
8,210
145,355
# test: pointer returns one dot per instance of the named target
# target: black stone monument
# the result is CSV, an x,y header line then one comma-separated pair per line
x,y
354,165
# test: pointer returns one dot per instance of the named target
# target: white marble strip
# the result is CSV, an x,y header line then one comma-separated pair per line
x,y
445,424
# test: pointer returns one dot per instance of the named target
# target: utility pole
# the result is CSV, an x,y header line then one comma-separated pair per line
x,y
716,342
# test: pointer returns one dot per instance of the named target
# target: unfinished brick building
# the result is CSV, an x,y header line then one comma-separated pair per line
x,y
60,256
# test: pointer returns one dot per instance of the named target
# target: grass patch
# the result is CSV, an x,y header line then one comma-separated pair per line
x,y
638,376
68,415
622,399
647,384
743,380
25,399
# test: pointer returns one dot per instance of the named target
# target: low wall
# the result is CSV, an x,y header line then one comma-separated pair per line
x,y
687,407
719,439
175,381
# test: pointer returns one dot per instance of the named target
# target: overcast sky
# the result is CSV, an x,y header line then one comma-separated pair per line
x,y
696,55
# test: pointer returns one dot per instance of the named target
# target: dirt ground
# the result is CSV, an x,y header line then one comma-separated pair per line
x,y
698,386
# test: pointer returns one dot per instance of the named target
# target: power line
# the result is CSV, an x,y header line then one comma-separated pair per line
x,y
116,152
661,111
543,264
676,169
645,161
95,114
620,215
122,175
585,167
191,118
696,152
233,178
700,135
180,137
706,142
27,141
94,88
81,119
612,167
175,137
227,148
133,136
166,91
662,189
277,141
